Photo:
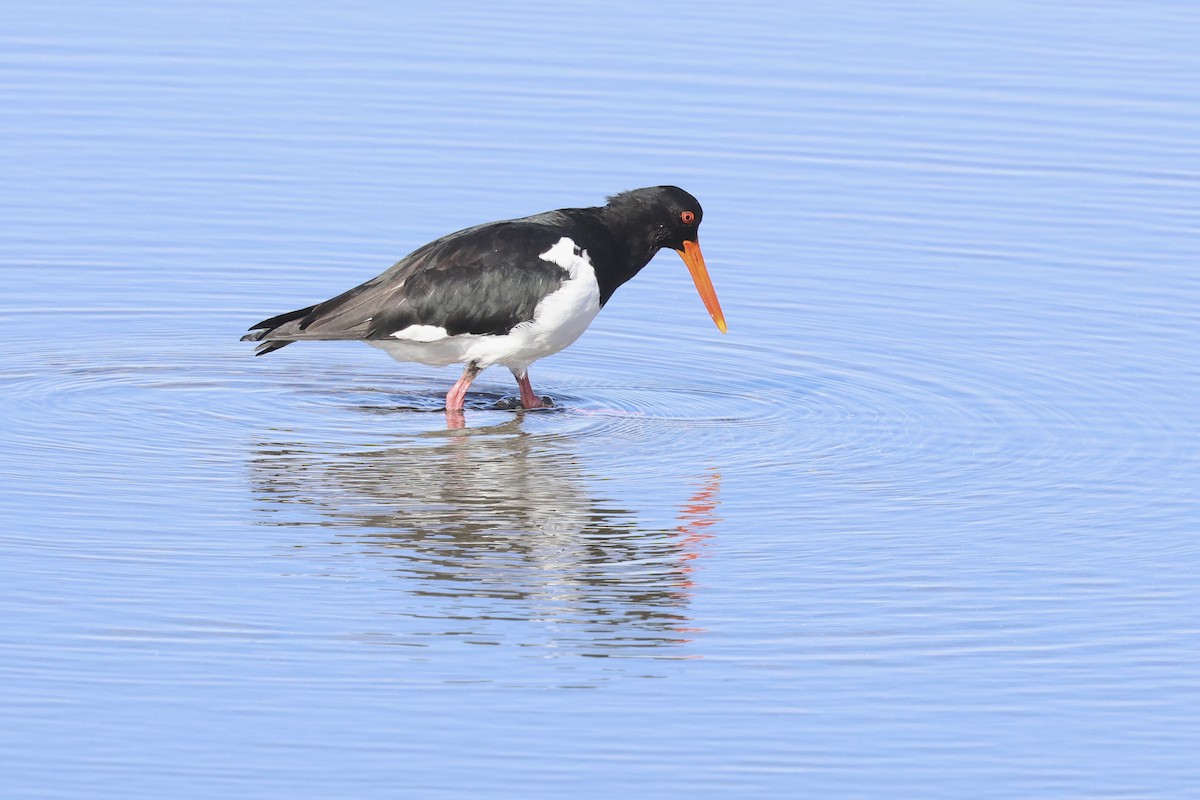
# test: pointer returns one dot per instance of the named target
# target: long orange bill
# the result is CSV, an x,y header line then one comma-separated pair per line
x,y
694,259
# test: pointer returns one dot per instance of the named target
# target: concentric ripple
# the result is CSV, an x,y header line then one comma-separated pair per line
x,y
926,424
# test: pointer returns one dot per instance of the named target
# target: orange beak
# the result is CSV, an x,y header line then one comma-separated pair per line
x,y
694,259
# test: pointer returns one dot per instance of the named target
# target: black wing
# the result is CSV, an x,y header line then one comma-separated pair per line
x,y
482,280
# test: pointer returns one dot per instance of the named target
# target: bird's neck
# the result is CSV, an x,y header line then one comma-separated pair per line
x,y
629,247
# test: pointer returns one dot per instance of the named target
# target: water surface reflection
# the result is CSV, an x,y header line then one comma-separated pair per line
x,y
499,533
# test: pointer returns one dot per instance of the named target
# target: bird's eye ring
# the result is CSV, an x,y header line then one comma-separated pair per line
x,y
688,217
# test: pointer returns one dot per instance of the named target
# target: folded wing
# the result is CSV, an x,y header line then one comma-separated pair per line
x,y
460,283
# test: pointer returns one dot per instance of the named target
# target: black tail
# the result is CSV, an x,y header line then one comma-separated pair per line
x,y
264,329
270,347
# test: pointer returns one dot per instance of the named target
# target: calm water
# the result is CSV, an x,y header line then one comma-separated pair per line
x,y
924,523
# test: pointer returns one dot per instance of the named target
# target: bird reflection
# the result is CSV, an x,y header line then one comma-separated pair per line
x,y
495,524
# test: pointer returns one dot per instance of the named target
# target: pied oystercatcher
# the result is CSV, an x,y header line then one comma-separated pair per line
x,y
506,292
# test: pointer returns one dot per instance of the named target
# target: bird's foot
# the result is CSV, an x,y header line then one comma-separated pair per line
x,y
515,403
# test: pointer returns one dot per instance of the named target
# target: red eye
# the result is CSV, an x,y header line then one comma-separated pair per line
x,y
687,217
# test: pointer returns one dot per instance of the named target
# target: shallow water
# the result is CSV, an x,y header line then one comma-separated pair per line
x,y
923,523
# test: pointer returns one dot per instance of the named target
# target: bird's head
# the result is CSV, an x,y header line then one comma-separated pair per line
x,y
667,216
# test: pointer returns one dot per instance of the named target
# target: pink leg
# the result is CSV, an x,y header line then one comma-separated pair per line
x,y
528,398
454,398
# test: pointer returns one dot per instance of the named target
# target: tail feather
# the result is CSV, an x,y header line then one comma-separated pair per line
x,y
269,347
261,332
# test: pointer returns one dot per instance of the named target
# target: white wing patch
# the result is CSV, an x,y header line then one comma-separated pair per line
x,y
421,333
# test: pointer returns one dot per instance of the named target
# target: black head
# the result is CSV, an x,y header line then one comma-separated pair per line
x,y
663,216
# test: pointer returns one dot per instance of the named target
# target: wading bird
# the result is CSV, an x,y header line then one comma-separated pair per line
x,y
506,292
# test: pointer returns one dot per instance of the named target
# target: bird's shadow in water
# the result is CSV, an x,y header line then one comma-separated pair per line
x,y
494,522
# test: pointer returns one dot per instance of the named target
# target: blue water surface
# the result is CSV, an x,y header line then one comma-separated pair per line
x,y
924,523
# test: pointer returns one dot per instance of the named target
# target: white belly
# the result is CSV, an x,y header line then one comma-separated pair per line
x,y
558,320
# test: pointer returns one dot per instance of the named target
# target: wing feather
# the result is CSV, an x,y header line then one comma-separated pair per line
x,y
482,280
